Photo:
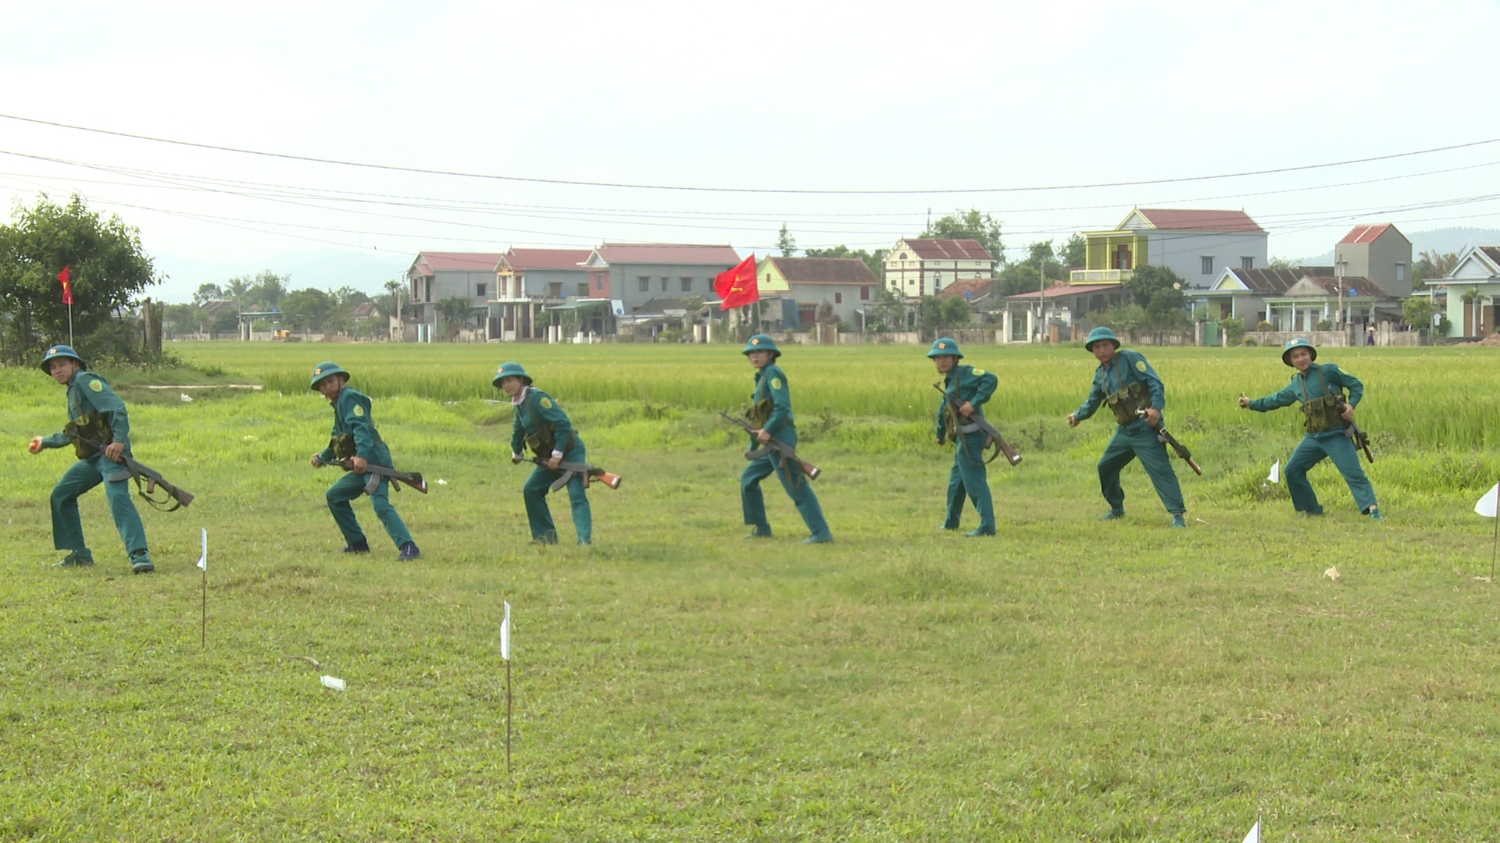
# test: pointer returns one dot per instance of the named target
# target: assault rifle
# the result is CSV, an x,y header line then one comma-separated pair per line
x,y
781,449
1163,436
952,399
410,478
1352,431
178,496
587,471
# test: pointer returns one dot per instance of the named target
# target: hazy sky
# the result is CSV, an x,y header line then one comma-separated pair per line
x,y
773,96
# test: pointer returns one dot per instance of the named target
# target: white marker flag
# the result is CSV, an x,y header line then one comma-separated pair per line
x,y
505,634
1254,835
203,560
1487,504
1275,476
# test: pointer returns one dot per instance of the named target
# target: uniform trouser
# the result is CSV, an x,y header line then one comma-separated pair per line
x,y
540,517
351,486
67,530
1138,439
1311,451
797,485
969,481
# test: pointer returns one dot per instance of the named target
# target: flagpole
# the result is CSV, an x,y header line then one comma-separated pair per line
x,y
1495,547
507,715
70,320
203,629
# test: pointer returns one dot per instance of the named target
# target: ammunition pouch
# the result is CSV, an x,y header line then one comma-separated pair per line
x,y
1128,402
88,426
1322,413
342,446
951,425
543,442
760,413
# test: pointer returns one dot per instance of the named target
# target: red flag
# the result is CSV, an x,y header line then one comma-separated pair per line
x,y
67,288
737,286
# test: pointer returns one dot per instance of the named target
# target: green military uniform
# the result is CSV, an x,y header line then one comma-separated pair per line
x,y
543,426
1126,385
771,411
968,480
354,435
98,414
1318,390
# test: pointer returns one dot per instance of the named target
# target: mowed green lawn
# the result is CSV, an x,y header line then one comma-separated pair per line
x,y
1068,680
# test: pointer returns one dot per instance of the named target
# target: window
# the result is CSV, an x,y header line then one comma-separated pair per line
x,y
1208,264
687,285
1400,272
583,290
645,281
864,293
838,298
479,289
664,280
599,281
1247,262
554,289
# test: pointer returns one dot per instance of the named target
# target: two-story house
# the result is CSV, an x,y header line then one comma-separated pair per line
x,y
1473,288
631,274
1380,253
923,266
846,285
1197,245
529,280
435,276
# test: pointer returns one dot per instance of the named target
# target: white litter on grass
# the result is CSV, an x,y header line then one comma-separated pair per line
x,y
442,482
249,438
332,683
186,399
1332,573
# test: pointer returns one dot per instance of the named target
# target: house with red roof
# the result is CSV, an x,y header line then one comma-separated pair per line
x,y
1378,252
528,281
630,274
1196,244
918,266
434,276
846,285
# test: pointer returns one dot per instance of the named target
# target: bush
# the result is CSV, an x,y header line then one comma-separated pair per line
x,y
1325,324
1233,329
1263,325
1248,341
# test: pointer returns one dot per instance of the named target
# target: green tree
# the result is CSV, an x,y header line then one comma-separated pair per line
x,y
1416,312
971,224
1125,319
945,312
1280,263
268,290
1433,265
786,242
208,292
107,268
1076,252
307,309
237,288
1019,278
454,312
874,260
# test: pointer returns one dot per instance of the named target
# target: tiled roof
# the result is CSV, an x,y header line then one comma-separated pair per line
x,y
658,307
824,270
1492,252
1369,233
455,262
980,287
521,260
617,253
948,250
1066,290
1363,287
1276,281
1182,219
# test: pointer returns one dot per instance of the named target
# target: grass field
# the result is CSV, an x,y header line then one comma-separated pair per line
x,y
1065,681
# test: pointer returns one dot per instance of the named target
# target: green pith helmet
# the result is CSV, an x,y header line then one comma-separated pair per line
x,y
56,351
323,370
508,370
944,345
761,342
1100,333
1299,342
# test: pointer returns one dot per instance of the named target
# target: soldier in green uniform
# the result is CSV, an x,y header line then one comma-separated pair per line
x,y
1128,385
356,439
771,416
94,412
541,425
968,480
1320,387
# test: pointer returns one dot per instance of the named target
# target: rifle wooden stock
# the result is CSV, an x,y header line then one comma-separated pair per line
x,y
1011,455
1181,449
152,478
1352,431
771,446
589,472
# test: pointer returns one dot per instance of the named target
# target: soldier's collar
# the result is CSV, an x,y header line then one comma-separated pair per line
x,y
520,396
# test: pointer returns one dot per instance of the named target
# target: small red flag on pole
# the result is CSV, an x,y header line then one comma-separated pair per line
x,y
67,288
736,287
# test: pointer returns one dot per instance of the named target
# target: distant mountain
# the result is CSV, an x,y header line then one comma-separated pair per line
x,y
323,268
1440,240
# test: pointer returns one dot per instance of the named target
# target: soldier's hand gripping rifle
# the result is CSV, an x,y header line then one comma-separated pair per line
x,y
1351,430
781,449
1163,436
410,478
952,399
147,480
587,471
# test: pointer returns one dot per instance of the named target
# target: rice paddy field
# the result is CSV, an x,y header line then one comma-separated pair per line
x,y
1066,680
